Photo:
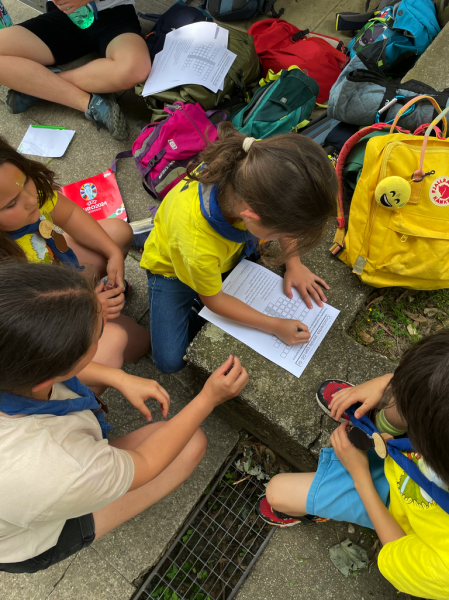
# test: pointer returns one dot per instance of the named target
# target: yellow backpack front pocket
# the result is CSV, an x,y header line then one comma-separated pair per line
x,y
416,249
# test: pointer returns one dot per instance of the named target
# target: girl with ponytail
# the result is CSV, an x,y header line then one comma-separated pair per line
x,y
241,191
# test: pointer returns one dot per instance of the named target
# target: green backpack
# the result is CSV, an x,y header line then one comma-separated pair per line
x,y
279,106
244,71
442,8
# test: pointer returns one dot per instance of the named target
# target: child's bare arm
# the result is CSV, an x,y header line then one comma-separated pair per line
x,y
163,446
356,463
232,308
85,230
135,389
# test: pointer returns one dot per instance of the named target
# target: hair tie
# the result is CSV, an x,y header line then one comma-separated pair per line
x,y
247,143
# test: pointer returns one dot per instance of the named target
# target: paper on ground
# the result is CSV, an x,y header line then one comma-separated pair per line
x,y
193,54
51,143
263,290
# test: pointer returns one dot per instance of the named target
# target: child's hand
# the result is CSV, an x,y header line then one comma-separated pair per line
x,y
307,284
226,382
112,300
115,270
287,331
355,461
137,390
369,393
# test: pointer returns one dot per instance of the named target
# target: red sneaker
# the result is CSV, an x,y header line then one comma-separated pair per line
x,y
324,394
267,513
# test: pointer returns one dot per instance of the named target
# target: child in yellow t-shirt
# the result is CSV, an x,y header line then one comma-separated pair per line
x,y
30,206
410,517
282,188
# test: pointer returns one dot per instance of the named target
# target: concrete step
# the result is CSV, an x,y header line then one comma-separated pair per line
x,y
432,66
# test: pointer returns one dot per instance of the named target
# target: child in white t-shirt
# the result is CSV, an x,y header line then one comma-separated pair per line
x,y
63,484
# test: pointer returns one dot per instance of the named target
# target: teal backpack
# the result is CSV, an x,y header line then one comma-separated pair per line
x,y
279,106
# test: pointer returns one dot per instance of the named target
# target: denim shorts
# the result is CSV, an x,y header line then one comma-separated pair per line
x,y
75,535
332,494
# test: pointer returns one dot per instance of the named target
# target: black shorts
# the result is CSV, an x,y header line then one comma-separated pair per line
x,y
75,535
68,42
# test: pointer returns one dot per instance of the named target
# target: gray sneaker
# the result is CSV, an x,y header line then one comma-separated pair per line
x,y
105,110
17,103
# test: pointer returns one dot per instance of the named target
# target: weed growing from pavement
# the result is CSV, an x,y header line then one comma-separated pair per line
x,y
393,319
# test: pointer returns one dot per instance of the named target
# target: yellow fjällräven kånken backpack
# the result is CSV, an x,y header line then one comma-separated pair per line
x,y
398,233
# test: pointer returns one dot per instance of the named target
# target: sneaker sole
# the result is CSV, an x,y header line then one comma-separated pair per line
x,y
283,526
324,407
119,129
273,523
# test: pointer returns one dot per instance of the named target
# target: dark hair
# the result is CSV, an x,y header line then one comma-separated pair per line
x,y
44,180
287,180
48,317
420,386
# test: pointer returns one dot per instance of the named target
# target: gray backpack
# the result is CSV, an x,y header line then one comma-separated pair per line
x,y
362,92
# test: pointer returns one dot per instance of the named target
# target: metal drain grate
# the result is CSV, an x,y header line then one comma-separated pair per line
x,y
212,556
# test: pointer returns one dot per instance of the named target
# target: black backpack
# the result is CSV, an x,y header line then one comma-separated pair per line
x,y
223,10
176,16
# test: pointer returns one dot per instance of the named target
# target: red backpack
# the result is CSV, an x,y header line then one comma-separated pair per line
x,y
280,45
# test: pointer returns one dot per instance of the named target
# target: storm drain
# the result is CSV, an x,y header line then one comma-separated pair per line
x,y
217,548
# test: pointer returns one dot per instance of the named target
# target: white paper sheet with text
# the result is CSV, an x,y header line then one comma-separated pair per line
x,y
40,141
263,290
193,54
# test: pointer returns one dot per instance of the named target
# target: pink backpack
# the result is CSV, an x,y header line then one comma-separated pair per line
x,y
163,150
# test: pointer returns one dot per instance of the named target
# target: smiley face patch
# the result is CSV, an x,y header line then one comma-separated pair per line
x,y
393,192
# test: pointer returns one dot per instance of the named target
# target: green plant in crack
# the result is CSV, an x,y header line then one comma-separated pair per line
x,y
393,319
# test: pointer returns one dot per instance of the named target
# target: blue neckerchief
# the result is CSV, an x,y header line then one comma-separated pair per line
x,y
214,216
395,450
68,258
21,405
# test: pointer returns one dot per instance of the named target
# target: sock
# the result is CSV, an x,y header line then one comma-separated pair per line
x,y
384,426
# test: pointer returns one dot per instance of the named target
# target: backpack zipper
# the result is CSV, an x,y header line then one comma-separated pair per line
x,y
255,106
177,107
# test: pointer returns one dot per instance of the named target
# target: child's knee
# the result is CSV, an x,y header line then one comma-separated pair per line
x,y
274,491
168,362
197,447
120,232
112,345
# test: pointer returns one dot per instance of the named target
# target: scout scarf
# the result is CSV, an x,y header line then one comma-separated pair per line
x,y
396,448
11,404
67,258
214,216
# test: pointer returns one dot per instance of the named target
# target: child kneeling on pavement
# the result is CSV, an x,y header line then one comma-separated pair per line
x,y
411,519
63,484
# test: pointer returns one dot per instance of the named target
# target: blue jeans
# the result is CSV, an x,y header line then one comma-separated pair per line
x,y
172,322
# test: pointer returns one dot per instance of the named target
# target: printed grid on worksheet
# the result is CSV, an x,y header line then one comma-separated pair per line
x,y
284,308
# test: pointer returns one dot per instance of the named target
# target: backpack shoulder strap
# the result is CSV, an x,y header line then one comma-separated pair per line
x,y
338,243
124,154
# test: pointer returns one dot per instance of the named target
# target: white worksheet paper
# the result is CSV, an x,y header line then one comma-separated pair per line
x,y
193,54
263,290
51,143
